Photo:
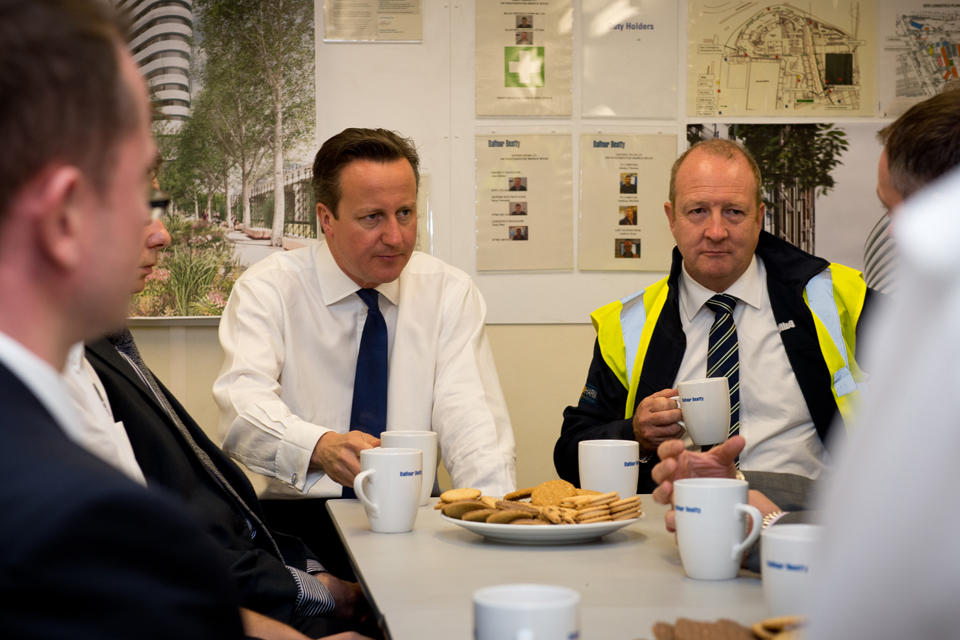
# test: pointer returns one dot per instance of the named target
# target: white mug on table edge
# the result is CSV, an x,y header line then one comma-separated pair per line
x,y
788,554
526,612
425,441
710,518
609,465
388,486
705,405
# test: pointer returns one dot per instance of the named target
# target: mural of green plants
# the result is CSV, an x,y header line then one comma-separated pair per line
x,y
194,276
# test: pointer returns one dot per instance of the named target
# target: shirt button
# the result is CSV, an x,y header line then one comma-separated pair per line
x,y
293,480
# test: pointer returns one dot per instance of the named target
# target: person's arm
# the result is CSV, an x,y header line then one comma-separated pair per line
x,y
256,625
256,427
469,411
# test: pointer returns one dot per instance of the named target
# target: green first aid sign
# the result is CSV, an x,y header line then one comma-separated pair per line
x,y
524,67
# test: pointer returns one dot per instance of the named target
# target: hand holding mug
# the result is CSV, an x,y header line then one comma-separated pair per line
x,y
657,420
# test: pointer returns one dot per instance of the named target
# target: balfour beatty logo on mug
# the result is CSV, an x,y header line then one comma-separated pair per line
x,y
799,568
631,463
688,509
403,474
694,399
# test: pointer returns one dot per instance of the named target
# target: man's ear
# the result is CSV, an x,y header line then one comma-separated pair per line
x,y
56,207
325,217
668,209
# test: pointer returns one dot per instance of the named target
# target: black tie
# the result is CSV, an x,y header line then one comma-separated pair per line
x,y
369,410
723,355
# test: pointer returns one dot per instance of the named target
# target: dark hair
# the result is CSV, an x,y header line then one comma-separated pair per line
x,y
724,148
923,143
63,95
376,145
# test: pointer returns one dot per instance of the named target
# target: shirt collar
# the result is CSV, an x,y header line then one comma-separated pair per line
x,y
335,285
39,377
748,288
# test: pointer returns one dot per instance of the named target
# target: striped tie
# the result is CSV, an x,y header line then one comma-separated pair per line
x,y
723,355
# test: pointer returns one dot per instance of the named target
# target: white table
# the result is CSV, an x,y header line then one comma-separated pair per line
x,y
421,582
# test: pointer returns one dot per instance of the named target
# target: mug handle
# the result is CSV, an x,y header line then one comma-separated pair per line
x,y
362,477
754,529
677,400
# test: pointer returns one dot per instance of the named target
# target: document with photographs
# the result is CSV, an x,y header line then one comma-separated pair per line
x,y
630,58
624,181
524,202
524,58
365,21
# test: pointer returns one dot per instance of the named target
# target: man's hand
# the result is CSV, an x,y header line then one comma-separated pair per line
x,y
351,603
656,421
677,463
338,454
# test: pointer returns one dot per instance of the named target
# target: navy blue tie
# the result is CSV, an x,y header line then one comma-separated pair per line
x,y
369,410
723,355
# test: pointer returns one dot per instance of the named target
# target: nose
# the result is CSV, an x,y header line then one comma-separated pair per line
x,y
158,236
716,229
390,232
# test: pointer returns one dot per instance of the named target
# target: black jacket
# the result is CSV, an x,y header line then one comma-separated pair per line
x,y
264,583
86,553
599,415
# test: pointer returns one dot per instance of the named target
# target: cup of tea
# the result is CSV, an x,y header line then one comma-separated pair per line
x,y
526,612
388,486
705,405
425,441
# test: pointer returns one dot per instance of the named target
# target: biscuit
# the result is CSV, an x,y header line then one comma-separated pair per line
x,y
479,515
591,511
519,494
781,623
605,518
457,509
587,492
625,507
552,492
762,633
529,521
625,515
525,507
606,498
626,502
460,494
506,517
490,502
663,631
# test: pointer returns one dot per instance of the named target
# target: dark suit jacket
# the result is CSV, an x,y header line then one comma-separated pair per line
x,y
85,553
167,460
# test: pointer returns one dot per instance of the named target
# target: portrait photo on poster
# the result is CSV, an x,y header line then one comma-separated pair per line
x,y
628,216
519,233
517,184
525,22
518,208
627,247
628,183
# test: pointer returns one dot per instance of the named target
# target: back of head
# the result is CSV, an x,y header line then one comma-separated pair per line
x,y
374,145
63,97
720,147
923,143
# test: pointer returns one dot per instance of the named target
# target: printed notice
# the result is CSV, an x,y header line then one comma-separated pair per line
x,y
624,181
372,21
750,59
524,58
524,203
630,58
920,52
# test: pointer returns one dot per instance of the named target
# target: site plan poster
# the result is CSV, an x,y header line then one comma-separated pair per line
x,y
635,42
753,59
624,181
524,57
920,51
524,202
372,21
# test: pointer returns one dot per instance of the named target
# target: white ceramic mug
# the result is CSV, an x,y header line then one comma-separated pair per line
x,y
610,465
526,612
705,405
425,441
710,517
388,486
788,555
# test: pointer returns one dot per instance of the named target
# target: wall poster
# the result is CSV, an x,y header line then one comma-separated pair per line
x,y
630,58
372,21
750,59
624,181
524,202
524,58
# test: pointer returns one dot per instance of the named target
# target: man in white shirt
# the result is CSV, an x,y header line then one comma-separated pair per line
x,y
84,551
293,333
788,377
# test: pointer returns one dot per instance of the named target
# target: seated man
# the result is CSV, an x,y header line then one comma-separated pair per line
x,y
160,444
787,347
309,335
84,551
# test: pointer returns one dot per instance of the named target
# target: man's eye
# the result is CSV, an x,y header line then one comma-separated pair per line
x,y
405,213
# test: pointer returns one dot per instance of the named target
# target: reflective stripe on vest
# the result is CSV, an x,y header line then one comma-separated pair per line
x,y
819,294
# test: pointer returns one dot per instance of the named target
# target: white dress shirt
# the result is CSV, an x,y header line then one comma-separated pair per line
x,y
96,431
40,378
291,334
774,418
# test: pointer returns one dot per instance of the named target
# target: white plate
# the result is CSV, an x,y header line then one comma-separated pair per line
x,y
541,534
